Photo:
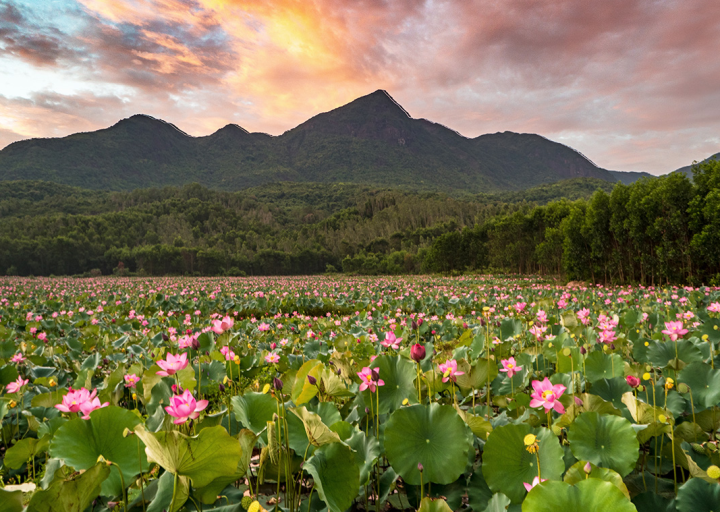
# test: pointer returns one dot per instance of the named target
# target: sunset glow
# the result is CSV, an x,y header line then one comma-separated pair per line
x,y
632,84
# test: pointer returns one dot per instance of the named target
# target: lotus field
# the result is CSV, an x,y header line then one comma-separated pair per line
x,y
304,394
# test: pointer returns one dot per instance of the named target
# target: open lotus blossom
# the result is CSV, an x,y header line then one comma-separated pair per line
x,y
547,395
607,336
714,307
272,357
17,358
13,387
535,481
391,341
184,407
584,316
369,380
449,370
263,327
172,365
220,326
229,354
81,400
675,330
131,380
510,367
90,405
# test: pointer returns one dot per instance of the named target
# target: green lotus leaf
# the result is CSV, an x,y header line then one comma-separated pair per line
x,y
11,501
577,473
254,410
611,390
704,383
203,458
659,354
433,435
478,492
651,502
209,493
591,495
399,376
80,442
71,495
608,441
479,426
367,450
316,431
50,399
163,495
336,475
302,390
696,495
507,464
24,450
434,505
600,366
498,503
476,377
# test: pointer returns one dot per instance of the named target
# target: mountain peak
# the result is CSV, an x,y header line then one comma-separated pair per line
x,y
149,121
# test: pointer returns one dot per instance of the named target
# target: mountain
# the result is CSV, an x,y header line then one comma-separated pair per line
x,y
687,170
628,177
372,141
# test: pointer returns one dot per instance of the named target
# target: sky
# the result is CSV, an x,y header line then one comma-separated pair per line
x,y
632,84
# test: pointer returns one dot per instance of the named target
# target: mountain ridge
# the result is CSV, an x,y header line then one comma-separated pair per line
x,y
371,140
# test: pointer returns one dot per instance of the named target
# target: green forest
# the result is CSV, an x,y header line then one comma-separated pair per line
x,y
653,231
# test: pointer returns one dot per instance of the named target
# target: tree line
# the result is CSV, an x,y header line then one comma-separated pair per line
x,y
656,230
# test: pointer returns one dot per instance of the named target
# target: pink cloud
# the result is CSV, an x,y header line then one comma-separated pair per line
x,y
633,84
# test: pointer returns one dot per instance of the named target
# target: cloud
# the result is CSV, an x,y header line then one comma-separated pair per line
x,y
633,84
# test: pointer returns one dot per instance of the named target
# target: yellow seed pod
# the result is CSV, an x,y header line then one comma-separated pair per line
x,y
647,343
405,402
646,376
266,388
529,439
662,418
713,472
566,352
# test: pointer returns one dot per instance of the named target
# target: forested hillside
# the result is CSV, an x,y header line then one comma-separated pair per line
x,y
653,231
275,229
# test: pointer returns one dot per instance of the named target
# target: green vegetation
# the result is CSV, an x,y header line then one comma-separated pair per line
x,y
276,229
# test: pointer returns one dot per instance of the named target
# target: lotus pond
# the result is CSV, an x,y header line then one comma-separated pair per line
x,y
304,394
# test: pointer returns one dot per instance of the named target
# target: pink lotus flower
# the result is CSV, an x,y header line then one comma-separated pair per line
x,y
81,400
229,354
607,337
714,307
510,367
632,381
675,330
370,379
131,380
17,358
547,395
13,387
449,370
173,364
184,407
272,358
391,341
535,481
263,327
584,316
220,326
90,405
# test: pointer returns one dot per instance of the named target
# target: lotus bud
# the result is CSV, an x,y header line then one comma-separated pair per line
x,y
195,344
221,388
420,467
417,352
312,380
375,374
632,381
414,325
587,468
165,337
277,384
583,350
